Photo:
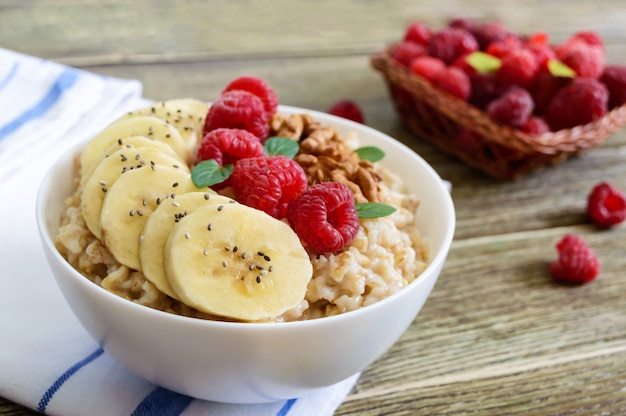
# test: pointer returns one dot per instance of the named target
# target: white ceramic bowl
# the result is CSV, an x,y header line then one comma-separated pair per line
x,y
243,362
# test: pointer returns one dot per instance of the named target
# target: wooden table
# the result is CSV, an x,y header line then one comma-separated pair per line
x,y
497,335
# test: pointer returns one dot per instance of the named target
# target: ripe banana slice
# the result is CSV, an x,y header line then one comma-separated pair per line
x,y
177,116
196,110
158,227
235,261
128,143
148,126
108,172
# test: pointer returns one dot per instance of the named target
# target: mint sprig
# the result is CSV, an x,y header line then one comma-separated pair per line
x,y
373,209
371,153
483,62
281,146
209,172
559,69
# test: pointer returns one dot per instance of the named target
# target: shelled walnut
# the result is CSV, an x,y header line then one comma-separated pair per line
x,y
325,157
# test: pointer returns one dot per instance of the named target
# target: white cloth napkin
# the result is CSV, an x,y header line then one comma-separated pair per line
x,y
47,361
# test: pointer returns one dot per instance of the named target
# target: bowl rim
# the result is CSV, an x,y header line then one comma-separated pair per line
x,y
432,264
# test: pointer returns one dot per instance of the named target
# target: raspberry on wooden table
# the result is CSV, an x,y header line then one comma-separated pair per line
x,y
258,87
582,101
606,205
324,217
268,183
238,109
347,109
576,263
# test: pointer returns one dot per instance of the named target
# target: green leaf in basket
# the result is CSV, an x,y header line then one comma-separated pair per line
x,y
208,172
559,69
373,209
371,153
483,62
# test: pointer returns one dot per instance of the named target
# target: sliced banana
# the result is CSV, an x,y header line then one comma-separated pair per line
x,y
178,116
110,169
235,261
128,143
129,203
158,227
196,110
148,126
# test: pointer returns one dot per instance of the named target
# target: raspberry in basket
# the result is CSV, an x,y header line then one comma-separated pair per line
x,y
582,101
518,68
324,216
455,82
238,109
577,263
347,109
418,33
614,77
406,51
258,87
450,43
428,67
606,205
268,183
512,108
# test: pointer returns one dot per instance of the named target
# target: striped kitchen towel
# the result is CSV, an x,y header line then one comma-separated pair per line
x,y
47,361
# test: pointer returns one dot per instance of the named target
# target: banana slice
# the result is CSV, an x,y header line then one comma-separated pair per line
x,y
128,143
235,261
148,126
158,227
129,203
110,170
179,117
196,110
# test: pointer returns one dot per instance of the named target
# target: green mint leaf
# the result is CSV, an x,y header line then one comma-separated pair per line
x,y
281,146
559,69
373,209
208,172
483,62
371,153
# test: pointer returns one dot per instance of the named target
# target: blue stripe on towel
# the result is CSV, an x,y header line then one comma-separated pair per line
x,y
286,407
162,402
45,399
10,75
63,82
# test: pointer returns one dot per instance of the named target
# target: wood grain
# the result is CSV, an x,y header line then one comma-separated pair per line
x,y
497,335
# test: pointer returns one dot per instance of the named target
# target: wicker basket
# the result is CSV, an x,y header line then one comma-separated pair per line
x,y
460,129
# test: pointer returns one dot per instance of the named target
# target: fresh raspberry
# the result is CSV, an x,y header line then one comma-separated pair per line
x,y
614,77
606,205
428,67
512,108
542,53
577,263
501,48
518,68
455,82
347,109
418,33
543,88
487,33
535,126
484,89
405,52
258,87
582,101
450,43
324,217
226,146
586,60
238,109
268,183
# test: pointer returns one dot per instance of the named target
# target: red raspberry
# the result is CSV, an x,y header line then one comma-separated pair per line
x,y
324,217
484,89
238,109
485,33
268,183
405,52
455,82
586,60
428,67
226,146
418,33
258,87
501,48
544,87
614,77
450,43
582,101
577,263
512,108
606,205
535,126
518,68
347,109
